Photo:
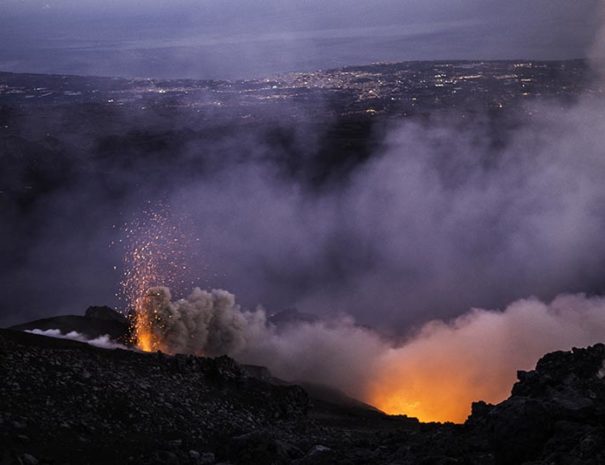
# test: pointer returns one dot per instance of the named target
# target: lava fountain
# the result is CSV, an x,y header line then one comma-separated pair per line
x,y
155,256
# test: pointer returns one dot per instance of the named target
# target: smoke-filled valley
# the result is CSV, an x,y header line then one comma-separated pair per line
x,y
421,219
409,235
397,378
403,233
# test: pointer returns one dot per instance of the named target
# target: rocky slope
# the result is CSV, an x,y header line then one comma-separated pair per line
x,y
64,402
555,415
96,322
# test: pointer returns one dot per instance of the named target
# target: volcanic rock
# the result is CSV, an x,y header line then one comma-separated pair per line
x,y
63,402
556,413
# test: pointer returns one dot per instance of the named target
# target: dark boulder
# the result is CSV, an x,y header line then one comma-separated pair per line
x,y
555,413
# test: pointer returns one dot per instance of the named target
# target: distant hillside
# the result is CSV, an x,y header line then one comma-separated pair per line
x,y
98,321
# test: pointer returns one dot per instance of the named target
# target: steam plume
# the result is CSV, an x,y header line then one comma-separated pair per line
x,y
104,341
433,376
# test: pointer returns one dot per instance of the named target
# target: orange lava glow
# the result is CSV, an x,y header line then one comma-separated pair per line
x,y
145,340
433,396
147,323
437,376
154,257
442,370
429,397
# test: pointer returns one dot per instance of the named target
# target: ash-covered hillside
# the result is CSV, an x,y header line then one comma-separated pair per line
x,y
65,402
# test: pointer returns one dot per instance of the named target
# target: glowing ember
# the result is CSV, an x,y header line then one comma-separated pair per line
x,y
438,374
442,395
144,340
155,256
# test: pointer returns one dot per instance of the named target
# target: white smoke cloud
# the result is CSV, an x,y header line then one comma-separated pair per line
x,y
435,375
103,342
437,222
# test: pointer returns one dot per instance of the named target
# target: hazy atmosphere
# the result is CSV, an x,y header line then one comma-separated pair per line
x,y
276,232
238,38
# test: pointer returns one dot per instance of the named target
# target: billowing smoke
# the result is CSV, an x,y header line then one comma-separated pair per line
x,y
441,218
435,375
206,323
435,224
335,352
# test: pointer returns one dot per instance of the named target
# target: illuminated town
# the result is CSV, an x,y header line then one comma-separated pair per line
x,y
398,89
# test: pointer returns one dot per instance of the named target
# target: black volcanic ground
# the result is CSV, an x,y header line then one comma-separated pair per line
x,y
65,402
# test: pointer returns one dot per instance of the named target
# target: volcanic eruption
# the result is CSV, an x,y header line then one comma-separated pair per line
x,y
552,168
373,262
434,375
154,256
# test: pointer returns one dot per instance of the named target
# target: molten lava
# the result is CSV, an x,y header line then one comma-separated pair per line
x,y
432,397
143,333
155,256
145,341
440,373
147,323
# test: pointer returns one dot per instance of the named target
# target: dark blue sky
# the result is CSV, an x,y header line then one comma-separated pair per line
x,y
240,38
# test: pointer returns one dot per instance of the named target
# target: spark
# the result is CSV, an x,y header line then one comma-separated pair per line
x,y
155,256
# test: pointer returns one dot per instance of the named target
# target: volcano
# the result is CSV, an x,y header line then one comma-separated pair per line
x,y
68,402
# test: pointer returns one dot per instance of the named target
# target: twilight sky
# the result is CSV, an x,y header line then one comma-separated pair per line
x,y
241,38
